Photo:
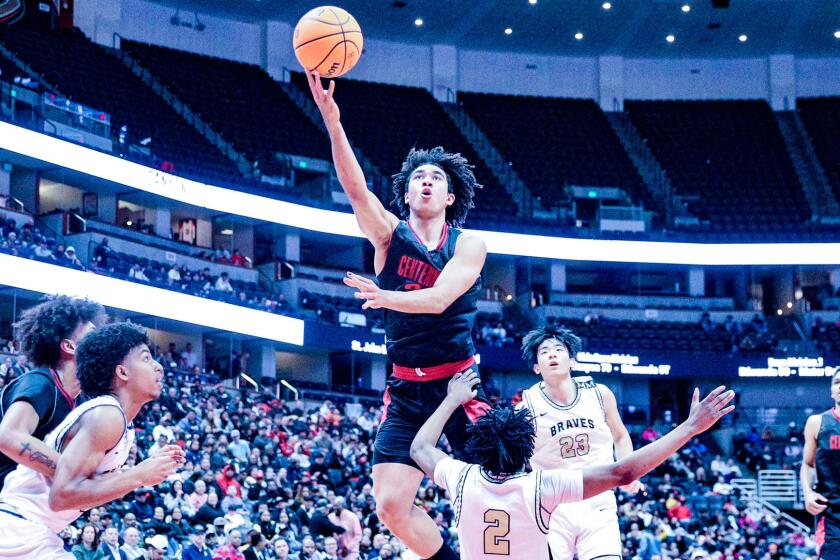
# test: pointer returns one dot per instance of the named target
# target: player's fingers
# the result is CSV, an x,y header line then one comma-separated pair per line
x,y
726,411
725,398
695,398
717,391
331,89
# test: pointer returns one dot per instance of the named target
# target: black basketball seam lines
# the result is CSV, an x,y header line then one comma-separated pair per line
x,y
324,37
343,41
327,56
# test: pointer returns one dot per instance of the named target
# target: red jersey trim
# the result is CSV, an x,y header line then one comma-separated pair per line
x,y
834,412
61,388
443,236
432,373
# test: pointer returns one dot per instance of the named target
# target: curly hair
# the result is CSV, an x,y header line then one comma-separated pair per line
x,y
531,342
502,441
102,351
42,328
459,178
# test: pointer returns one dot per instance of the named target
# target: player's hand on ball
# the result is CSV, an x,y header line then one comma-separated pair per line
x,y
373,295
324,98
462,387
158,468
705,413
815,503
634,487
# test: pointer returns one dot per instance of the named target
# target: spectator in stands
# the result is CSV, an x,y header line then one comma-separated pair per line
x,y
110,546
130,549
102,254
189,357
42,251
173,277
156,547
223,283
650,434
71,258
197,549
88,547
238,447
138,272
230,551
351,537
237,259
255,549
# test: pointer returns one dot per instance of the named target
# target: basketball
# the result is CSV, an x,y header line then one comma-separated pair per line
x,y
328,39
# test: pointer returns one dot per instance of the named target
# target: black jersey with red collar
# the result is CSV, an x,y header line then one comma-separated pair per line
x,y
828,463
426,339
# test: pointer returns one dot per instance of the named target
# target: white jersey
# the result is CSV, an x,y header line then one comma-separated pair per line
x,y
505,516
573,436
27,492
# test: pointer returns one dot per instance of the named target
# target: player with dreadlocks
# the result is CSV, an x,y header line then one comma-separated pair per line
x,y
429,279
501,506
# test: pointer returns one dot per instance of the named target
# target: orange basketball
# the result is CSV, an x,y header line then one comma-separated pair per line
x,y
329,40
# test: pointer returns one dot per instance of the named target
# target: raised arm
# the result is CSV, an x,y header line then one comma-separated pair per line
x,y
424,449
18,443
703,416
815,503
76,485
621,437
374,220
459,274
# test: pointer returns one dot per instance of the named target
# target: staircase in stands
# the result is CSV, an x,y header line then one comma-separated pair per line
x,y
808,169
245,166
496,163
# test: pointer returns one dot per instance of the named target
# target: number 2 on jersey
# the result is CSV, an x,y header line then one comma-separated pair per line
x,y
574,446
494,535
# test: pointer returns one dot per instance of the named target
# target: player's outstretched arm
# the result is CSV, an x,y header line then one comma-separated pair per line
x,y
18,443
459,274
76,485
815,503
424,449
703,416
374,220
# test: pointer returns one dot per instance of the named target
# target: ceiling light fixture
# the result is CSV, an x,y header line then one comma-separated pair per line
x,y
686,8
508,31
837,34
606,5
670,38
418,22
743,38
532,2
579,36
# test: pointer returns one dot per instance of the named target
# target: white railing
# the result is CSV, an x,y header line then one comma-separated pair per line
x,y
778,486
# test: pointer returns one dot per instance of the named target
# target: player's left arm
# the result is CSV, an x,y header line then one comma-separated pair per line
x,y
621,437
459,274
424,449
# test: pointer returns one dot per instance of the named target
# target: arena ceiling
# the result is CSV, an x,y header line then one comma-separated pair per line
x,y
631,28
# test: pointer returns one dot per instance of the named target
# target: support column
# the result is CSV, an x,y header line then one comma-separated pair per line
x,y
243,239
378,373
277,52
163,222
611,83
5,183
782,80
262,361
696,282
444,72
107,208
23,185
556,277
288,247
834,278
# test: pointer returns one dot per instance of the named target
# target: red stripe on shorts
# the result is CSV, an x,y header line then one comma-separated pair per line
x,y
386,400
476,409
819,534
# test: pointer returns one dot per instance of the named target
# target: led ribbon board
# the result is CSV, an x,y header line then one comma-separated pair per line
x,y
121,294
85,160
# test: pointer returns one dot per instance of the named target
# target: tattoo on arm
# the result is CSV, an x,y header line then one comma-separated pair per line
x,y
36,456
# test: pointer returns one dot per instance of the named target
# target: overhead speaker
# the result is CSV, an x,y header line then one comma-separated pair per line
x,y
720,4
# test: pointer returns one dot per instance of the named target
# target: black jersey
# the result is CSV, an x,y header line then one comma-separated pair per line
x,y
42,389
828,463
426,339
